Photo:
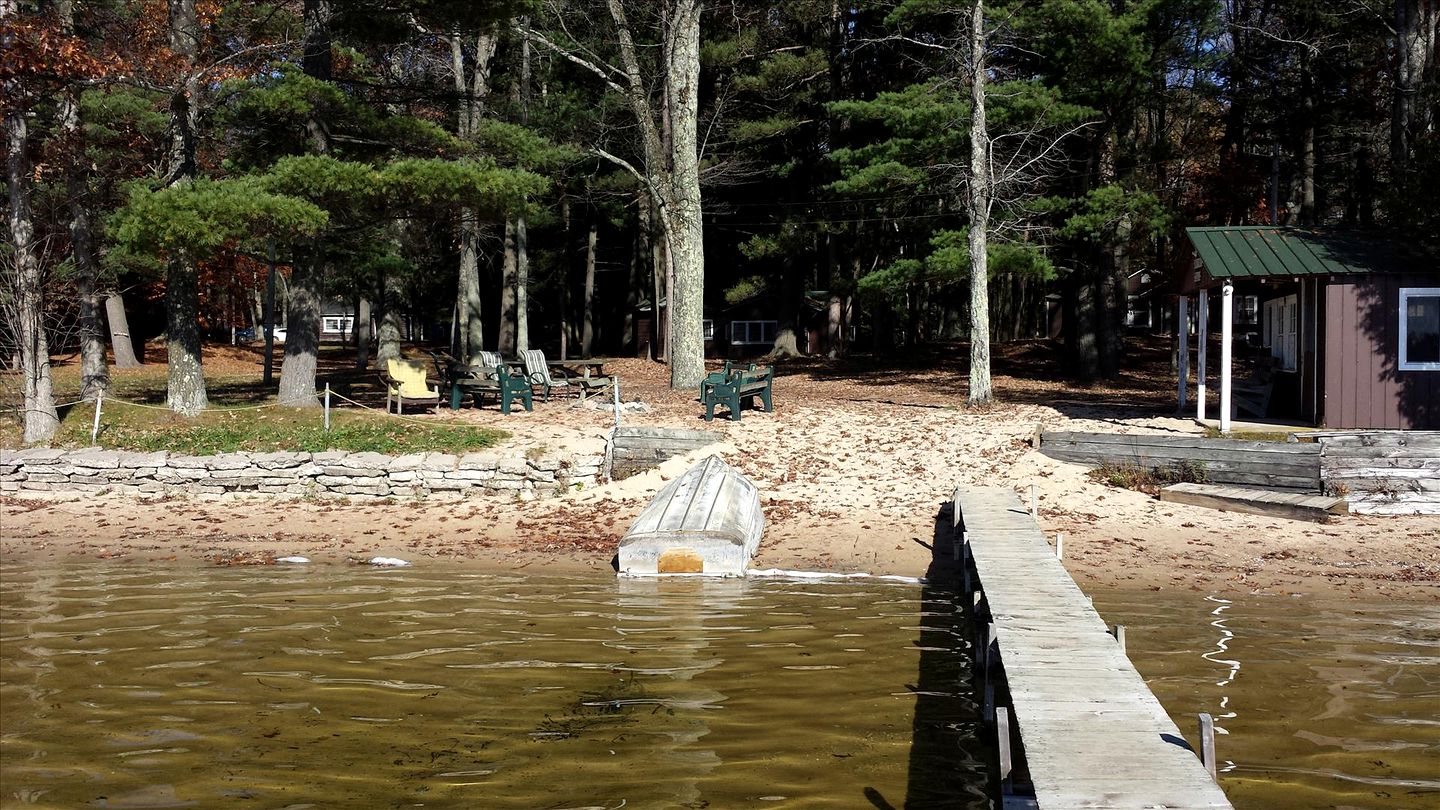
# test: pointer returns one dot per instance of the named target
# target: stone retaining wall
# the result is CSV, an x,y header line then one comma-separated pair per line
x,y
329,474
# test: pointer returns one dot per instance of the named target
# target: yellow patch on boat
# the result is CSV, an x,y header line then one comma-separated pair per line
x,y
680,561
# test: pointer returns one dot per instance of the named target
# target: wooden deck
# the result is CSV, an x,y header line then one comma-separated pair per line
x,y
1289,505
1093,735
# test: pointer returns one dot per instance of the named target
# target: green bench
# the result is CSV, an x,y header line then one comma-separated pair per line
x,y
488,377
732,386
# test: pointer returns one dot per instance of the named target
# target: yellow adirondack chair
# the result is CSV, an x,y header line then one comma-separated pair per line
x,y
405,383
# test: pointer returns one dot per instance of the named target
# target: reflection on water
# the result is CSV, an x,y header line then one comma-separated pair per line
x,y
337,686
1319,704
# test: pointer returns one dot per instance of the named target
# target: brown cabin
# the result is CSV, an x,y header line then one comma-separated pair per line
x,y
1348,333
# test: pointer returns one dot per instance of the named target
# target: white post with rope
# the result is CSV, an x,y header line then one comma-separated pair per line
x,y
95,428
327,407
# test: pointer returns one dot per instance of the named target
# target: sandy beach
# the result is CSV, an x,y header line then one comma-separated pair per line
x,y
854,474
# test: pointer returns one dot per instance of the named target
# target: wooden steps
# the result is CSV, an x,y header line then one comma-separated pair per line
x,y
1290,505
1093,735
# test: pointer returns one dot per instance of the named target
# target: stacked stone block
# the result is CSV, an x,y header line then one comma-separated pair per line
x,y
328,474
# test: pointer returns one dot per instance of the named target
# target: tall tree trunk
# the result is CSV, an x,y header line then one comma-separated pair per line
x,y
473,87
522,235
1415,46
1083,327
522,285
1307,144
302,335
685,228
94,374
981,392
787,330
302,318
587,330
362,333
25,275
672,171
507,293
120,342
636,278
185,389
470,324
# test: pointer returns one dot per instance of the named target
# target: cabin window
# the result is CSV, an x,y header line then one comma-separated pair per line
x,y
1247,310
707,327
1420,328
742,332
336,324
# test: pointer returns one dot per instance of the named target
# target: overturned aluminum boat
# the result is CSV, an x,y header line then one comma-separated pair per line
x,y
707,521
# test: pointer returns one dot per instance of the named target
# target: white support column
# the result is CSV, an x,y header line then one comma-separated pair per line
x,y
1201,342
1182,331
1227,318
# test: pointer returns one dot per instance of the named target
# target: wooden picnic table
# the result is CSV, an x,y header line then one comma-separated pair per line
x,y
582,367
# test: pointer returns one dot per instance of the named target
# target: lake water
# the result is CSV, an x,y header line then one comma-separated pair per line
x,y
1318,704
128,685
322,686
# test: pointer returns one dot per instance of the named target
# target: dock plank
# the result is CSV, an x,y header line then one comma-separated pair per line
x,y
1080,706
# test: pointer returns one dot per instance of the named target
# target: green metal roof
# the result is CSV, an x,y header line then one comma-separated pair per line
x,y
1241,252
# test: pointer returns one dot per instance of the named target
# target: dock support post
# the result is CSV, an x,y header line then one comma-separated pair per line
x,y
965,561
1119,633
1002,737
1207,743
1034,503
1059,545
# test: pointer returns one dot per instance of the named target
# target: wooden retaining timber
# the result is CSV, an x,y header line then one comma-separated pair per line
x,y
1291,505
1274,465
634,450
1093,735
1384,473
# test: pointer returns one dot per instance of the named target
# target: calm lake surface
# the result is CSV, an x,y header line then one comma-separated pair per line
x,y
324,686
1322,704
128,685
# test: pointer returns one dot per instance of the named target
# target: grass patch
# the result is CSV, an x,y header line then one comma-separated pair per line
x,y
1150,480
1212,432
129,427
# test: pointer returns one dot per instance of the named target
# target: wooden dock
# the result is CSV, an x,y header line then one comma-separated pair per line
x,y
1092,733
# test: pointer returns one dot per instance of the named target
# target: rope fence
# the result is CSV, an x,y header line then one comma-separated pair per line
x,y
101,399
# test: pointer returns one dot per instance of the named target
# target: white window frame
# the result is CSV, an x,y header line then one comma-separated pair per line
x,y
745,327
707,329
343,322
1406,293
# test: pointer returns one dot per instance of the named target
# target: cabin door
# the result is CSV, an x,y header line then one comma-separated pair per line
x,y
1282,330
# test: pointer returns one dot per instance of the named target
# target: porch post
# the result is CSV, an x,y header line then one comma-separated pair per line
x,y
1200,361
1182,332
1227,316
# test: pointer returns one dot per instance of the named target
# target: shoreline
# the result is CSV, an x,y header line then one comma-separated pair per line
x,y
853,478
